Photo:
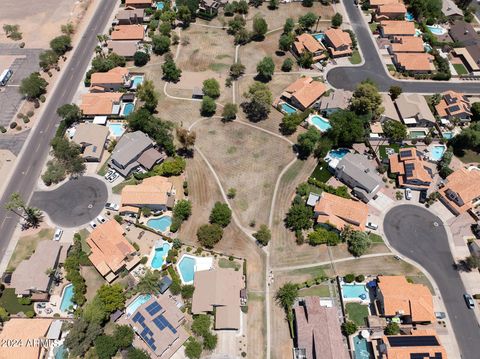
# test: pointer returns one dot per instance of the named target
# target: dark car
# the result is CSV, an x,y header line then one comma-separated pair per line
x,y
423,197
469,301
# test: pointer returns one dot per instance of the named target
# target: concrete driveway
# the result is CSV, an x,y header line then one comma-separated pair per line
x,y
412,231
74,203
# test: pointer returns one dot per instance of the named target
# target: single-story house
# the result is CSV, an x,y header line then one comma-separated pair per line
x,y
36,274
156,193
130,16
414,110
419,63
307,43
411,169
128,33
406,44
340,212
334,101
218,290
303,93
211,6
464,33
126,49
465,55
454,105
111,80
101,104
139,4
92,139
357,173
451,10
389,110
461,191
159,324
420,343
111,251
374,4
392,28
395,11
339,42
317,331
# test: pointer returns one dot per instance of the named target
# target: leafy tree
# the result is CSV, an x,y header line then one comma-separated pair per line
x,y
392,328
229,9
242,37
148,284
193,349
33,86
135,353
48,59
146,93
242,7
307,3
172,166
307,21
209,234
287,65
273,4
229,112
260,27
68,29
208,107
395,130
288,26
299,217
123,335
306,60
54,173
286,296
201,325
366,99
210,341
290,123
337,20
236,24
184,15
211,88
472,262
307,141
395,91
265,69
3,315
182,209
141,58
70,113
260,99
263,235
323,236
347,128
475,108
165,28
349,328
12,32
160,44
69,155
429,9
105,347
186,138
112,297
191,4
358,243
286,41
171,72
221,214
81,336
236,70
187,291
61,44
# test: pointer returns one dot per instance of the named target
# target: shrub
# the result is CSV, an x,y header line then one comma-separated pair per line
x,y
349,278
30,113
25,300
26,120
349,328
392,328
144,260
359,278
287,65
118,218
141,58
13,125
30,313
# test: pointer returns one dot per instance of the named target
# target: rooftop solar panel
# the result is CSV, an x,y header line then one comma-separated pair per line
x,y
413,341
153,308
454,108
405,153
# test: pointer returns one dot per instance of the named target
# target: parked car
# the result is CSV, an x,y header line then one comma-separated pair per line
x,y
408,193
58,234
113,177
372,225
93,224
423,197
112,206
101,219
109,174
469,301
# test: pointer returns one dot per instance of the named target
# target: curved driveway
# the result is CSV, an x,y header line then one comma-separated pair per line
x,y
412,232
374,69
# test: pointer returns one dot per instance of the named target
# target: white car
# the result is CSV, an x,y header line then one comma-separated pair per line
x,y
58,234
112,206
109,174
101,219
93,224
408,193
113,177
372,225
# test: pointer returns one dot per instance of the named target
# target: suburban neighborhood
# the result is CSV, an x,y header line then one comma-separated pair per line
x,y
240,179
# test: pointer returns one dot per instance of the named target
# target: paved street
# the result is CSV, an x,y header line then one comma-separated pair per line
x,y
374,69
29,165
411,231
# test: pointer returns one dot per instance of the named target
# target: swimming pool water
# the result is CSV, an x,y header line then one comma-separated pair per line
x,y
409,16
160,254
137,302
60,352
160,5
418,33
288,108
321,123
437,29
320,36
339,154
160,224
116,128
427,47
187,269
448,135
361,348
136,81
67,295
128,108
355,291
417,134
437,153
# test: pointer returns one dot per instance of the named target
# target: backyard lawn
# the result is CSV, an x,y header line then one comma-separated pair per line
x,y
355,59
357,313
317,291
321,172
469,156
382,149
26,246
460,69
118,188
9,301
225,263
84,233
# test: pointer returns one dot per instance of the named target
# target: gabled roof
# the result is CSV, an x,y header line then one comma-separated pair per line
x,y
407,44
383,2
389,110
340,211
22,331
130,146
130,14
152,191
91,137
421,343
453,104
117,76
394,8
123,48
415,61
461,188
449,8
309,43
128,32
397,27
338,37
414,105
305,90
356,166
101,103
338,99
410,167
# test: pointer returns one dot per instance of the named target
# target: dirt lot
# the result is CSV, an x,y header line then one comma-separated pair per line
x,y
27,244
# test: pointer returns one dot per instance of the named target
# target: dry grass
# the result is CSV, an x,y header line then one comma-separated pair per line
x,y
26,246
93,280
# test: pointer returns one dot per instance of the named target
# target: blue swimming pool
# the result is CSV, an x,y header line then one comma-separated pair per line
x,y
355,291
288,108
362,348
437,152
321,123
160,224
447,135
137,302
60,352
437,29
338,153
116,128
67,295
409,16
427,47
160,255
320,36
160,5
187,269
128,108
418,33
136,81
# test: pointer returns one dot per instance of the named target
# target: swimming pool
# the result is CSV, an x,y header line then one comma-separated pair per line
x,y
160,253
128,108
361,347
116,128
160,224
320,36
137,302
319,122
136,81
447,135
288,108
417,134
355,291
160,5
436,152
67,295
418,33
188,265
437,29
409,16
427,47
60,352
339,153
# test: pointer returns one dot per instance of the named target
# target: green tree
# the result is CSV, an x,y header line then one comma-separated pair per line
x,y
288,26
323,236
306,60
211,88
173,166
472,261
221,214
260,99
337,20
395,130
69,155
123,335
112,296
229,112
68,28
394,92
165,28
260,27
242,7
392,328
186,138
105,347
208,107
209,234
135,353
242,37
290,123
265,69
349,328
286,296
182,209
141,58
273,4
366,99
475,108
191,4
307,141
286,41
3,315
148,284
346,128
17,205
54,173
171,72
48,59
299,217
201,324
307,21
33,86
146,93
287,65
210,341
236,24
70,113
187,291
236,70
184,15
160,44
359,243
193,349
61,44
263,235
81,335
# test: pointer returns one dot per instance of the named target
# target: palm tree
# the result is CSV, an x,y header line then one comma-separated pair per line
x,y
33,216
286,296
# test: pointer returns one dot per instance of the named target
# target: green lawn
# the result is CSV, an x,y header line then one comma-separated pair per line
x,y
104,169
225,263
316,291
391,67
9,301
373,26
469,156
355,59
382,149
84,233
375,238
118,188
321,172
357,313
460,69
315,272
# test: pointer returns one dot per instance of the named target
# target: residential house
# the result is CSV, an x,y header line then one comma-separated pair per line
x,y
130,16
374,4
307,43
303,93
139,4
389,110
339,42
126,49
101,104
418,63
92,139
134,150
397,298
218,290
357,173
333,102
411,169
414,110
472,65
393,28
156,193
340,212
112,80
394,11
35,275
211,6
461,192
317,331
421,343
406,44
451,10
158,323
111,252
454,105
128,33
464,33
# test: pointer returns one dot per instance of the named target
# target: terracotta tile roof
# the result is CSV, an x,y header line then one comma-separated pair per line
x,y
298,84
340,211
415,61
408,44
308,94
403,298
152,191
338,38
453,104
461,189
393,8
414,347
383,2
18,330
307,42
117,75
410,168
128,32
100,103
397,27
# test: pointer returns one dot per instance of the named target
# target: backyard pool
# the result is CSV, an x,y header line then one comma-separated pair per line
x,y
319,122
189,264
436,152
355,291
427,47
320,36
437,29
159,255
409,16
418,33
133,306
60,352
137,80
361,347
160,224
447,135
289,109
128,108
338,153
67,295
160,5
417,134
116,128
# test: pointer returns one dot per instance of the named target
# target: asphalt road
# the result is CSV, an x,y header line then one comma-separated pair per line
x,y
348,77
411,231
29,166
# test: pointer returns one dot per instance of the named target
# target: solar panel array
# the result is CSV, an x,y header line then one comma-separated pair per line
x,y
425,356
413,341
409,167
405,153
153,308
454,108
